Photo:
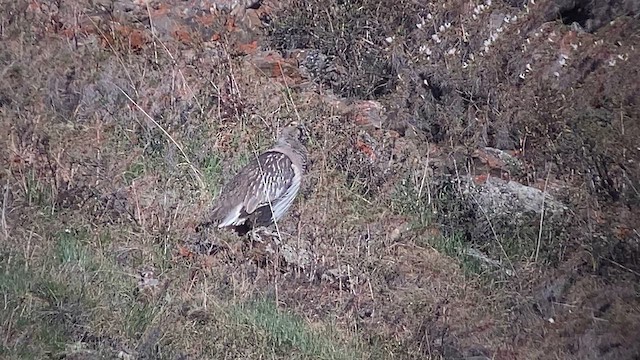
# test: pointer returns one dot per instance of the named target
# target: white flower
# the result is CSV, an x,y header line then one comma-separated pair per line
x,y
424,49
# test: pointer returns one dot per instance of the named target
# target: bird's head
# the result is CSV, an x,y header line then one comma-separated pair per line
x,y
294,133
294,136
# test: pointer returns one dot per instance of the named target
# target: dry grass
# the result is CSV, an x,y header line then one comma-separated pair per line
x,y
117,138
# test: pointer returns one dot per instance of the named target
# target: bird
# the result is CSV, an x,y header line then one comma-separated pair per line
x,y
262,192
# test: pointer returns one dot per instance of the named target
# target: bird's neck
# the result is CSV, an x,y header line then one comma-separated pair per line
x,y
296,153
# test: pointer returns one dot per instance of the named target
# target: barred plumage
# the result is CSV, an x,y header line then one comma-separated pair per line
x,y
264,189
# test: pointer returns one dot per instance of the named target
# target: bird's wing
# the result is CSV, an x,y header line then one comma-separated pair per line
x,y
269,180
231,216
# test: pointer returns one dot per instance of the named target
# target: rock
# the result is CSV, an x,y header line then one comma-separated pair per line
x,y
501,218
509,197
590,15
367,113
236,7
317,66
298,257
273,65
499,160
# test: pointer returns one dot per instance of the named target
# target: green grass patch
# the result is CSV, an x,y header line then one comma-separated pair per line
x,y
38,193
42,310
287,333
212,171
136,170
412,200
138,318
70,247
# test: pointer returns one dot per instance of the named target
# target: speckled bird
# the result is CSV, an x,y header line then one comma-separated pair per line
x,y
262,191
